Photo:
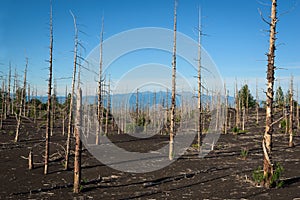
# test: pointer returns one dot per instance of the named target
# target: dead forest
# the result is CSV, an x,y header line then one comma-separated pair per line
x,y
45,140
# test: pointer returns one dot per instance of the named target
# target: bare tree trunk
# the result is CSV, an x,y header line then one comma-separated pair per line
x,y
257,103
267,139
24,88
286,100
15,97
2,106
64,111
30,160
237,104
173,100
4,99
72,95
297,111
246,107
53,108
100,85
137,108
19,119
35,106
8,91
243,116
291,116
107,108
226,111
77,161
28,101
199,84
22,101
49,97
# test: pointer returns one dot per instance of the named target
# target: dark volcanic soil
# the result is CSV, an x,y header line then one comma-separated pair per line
x,y
222,174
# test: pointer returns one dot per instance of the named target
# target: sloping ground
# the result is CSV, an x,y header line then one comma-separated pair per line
x,y
222,174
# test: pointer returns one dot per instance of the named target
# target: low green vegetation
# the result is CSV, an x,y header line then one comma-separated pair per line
x,y
244,153
258,176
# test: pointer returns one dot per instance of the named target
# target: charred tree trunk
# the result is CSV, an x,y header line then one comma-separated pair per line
x,y
267,139
72,95
173,98
100,86
77,161
48,125
199,140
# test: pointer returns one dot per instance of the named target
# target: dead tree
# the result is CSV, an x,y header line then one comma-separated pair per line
x,y
237,107
8,91
100,86
78,145
30,160
291,115
173,98
137,108
4,99
53,107
285,110
267,139
35,106
15,96
226,110
199,140
2,104
72,94
243,113
19,119
28,100
24,90
64,111
297,111
257,103
48,124
107,108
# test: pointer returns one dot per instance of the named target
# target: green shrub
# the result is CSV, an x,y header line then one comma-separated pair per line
x,y
258,175
235,129
275,180
244,153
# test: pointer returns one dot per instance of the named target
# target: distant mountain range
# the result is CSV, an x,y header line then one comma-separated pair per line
x,y
144,98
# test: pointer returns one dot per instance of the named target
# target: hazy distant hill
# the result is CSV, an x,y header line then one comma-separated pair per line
x,y
145,98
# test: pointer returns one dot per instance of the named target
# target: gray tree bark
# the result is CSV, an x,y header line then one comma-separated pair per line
x,y
267,139
72,94
173,98
48,124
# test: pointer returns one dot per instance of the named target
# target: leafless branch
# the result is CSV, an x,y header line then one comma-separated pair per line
x,y
262,17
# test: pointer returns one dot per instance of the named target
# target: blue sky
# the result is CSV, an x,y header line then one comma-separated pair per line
x,y
236,41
